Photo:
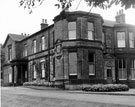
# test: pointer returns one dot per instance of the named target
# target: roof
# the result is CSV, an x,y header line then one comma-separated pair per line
x,y
109,23
16,37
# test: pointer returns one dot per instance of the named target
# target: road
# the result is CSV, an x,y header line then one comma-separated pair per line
x,y
26,97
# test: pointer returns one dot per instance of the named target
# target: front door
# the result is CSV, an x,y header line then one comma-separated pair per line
x,y
109,76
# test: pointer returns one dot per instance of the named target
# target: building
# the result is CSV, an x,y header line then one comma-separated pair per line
x,y
80,48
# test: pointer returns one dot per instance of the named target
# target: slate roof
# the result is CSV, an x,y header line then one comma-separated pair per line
x,y
109,23
17,37
14,37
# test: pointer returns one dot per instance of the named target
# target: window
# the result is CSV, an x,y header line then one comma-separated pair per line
x,y
91,60
10,77
122,69
9,53
133,69
103,37
90,31
25,50
43,69
34,72
72,30
131,40
121,39
42,43
34,46
72,64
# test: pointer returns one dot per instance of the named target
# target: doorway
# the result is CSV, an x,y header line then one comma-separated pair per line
x,y
109,76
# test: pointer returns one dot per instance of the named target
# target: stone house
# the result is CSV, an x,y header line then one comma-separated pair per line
x,y
79,49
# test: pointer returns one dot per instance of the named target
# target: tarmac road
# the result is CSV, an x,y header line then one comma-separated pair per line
x,y
26,97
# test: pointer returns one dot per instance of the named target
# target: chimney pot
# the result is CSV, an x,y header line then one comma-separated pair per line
x,y
44,23
120,17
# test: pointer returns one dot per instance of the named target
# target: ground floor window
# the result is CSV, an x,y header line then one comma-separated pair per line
x,y
91,59
132,69
43,70
35,73
73,65
122,69
10,77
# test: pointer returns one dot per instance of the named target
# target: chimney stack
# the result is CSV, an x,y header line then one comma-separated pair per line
x,y
120,17
44,24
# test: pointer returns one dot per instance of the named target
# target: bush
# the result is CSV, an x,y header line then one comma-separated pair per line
x,y
38,83
106,87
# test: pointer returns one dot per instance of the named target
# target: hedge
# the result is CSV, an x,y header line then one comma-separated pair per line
x,y
106,87
38,83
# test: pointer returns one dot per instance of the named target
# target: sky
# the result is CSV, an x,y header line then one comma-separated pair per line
x,y
16,20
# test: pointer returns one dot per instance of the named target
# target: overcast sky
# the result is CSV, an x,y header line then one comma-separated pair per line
x,y
14,19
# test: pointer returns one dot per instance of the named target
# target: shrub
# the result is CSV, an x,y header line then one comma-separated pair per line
x,y
106,87
38,83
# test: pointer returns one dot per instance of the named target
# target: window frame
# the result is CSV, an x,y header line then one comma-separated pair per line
x,y
92,63
119,40
132,69
71,73
131,40
42,43
9,52
71,29
25,50
43,69
34,72
90,30
122,69
34,46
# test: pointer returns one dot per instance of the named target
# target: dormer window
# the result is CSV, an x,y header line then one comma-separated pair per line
x,y
90,31
131,40
72,30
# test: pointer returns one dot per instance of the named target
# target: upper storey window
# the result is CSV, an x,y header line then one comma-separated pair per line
x,y
42,43
34,46
90,31
72,30
131,40
25,50
9,52
121,40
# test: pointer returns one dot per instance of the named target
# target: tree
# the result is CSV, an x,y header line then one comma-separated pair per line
x,y
64,4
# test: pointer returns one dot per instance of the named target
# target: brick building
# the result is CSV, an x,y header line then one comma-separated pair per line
x,y
80,48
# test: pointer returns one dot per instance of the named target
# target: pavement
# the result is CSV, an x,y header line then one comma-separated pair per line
x,y
131,92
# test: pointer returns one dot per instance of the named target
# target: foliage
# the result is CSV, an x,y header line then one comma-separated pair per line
x,y
38,83
106,88
64,4
44,83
